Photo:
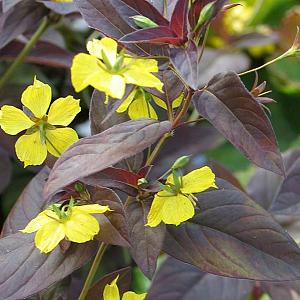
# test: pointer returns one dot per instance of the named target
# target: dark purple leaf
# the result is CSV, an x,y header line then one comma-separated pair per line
x,y
186,140
113,224
27,271
124,282
29,204
94,154
5,170
99,112
156,35
23,17
223,173
113,18
180,281
146,242
178,23
280,291
228,105
114,178
233,236
7,4
274,193
43,53
62,8
197,73
172,88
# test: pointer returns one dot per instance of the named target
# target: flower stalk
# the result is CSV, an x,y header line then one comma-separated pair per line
x,y
22,55
92,272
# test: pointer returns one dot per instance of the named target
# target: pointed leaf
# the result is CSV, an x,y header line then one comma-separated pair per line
x,y
62,8
94,154
180,281
156,35
178,23
27,271
146,242
113,225
231,109
233,236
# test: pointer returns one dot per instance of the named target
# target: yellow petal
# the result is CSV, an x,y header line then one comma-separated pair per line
x,y
81,227
13,120
170,209
144,65
133,296
115,86
86,70
141,108
91,209
176,103
141,78
63,111
40,220
31,150
111,291
60,139
37,98
198,181
49,236
107,45
124,106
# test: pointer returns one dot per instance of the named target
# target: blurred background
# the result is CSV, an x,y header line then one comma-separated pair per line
x,y
255,31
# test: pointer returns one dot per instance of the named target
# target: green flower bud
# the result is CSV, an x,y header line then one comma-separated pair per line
x,y
142,181
79,187
143,22
181,162
206,13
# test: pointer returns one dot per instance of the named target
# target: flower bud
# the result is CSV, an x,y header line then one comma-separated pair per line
x,y
143,22
181,162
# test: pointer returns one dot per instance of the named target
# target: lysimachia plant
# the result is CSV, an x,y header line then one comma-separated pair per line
x,y
133,182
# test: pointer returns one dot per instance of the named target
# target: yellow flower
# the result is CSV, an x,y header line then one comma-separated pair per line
x,y
111,292
176,204
72,222
44,132
139,106
109,71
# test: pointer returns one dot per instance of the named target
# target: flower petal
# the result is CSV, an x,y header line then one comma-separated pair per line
x,y
107,45
81,227
58,140
49,236
115,86
37,98
198,181
40,220
141,108
13,120
86,71
144,65
124,106
170,209
63,111
31,150
91,209
133,296
142,78
111,291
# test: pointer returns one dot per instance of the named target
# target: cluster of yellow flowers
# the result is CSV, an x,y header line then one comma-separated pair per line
x,y
44,126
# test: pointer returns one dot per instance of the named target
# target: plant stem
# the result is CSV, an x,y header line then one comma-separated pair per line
x,y
92,272
184,109
282,56
157,148
20,58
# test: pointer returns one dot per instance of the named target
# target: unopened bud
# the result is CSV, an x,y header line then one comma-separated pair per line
x,y
181,162
79,187
206,13
143,22
142,181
